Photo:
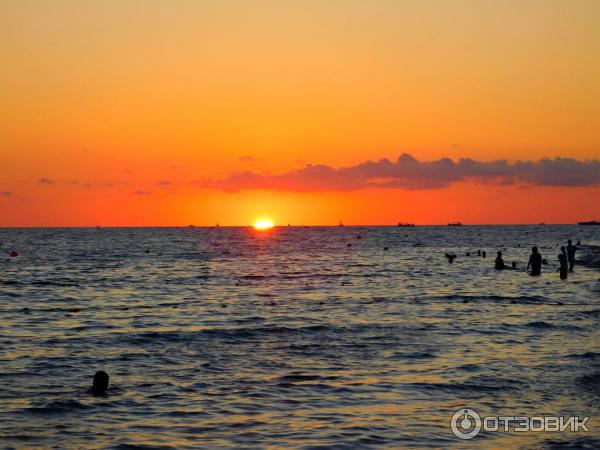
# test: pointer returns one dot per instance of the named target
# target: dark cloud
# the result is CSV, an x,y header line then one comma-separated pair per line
x,y
6,193
45,180
142,192
409,173
165,183
248,159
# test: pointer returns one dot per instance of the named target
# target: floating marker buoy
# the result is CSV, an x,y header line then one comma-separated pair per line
x,y
14,253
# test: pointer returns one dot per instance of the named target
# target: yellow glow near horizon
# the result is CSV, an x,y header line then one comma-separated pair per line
x,y
263,224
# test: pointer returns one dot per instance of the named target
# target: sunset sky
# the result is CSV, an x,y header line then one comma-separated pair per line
x,y
133,113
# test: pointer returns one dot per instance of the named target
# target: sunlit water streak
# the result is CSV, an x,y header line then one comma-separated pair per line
x,y
233,338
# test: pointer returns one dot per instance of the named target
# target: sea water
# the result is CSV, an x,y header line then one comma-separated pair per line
x,y
295,337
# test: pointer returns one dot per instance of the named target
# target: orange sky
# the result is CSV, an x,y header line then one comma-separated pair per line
x,y
110,109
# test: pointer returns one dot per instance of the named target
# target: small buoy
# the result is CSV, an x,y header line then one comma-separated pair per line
x,y
349,245
386,248
14,253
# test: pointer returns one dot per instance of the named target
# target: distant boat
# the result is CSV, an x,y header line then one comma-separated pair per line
x,y
340,224
191,226
455,224
591,222
401,224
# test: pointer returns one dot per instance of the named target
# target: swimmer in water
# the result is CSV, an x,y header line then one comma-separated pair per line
x,y
562,259
571,249
100,383
535,262
499,264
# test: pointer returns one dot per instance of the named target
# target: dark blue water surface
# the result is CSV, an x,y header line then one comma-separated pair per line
x,y
290,338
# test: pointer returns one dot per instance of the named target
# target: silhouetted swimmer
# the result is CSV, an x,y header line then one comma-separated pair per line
x,y
499,264
14,254
571,249
483,254
535,262
513,265
386,248
563,269
478,252
100,383
578,243
468,253
349,245
451,257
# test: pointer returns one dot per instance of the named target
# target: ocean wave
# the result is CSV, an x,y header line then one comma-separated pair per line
x,y
527,299
579,443
586,355
58,407
475,385
235,333
541,325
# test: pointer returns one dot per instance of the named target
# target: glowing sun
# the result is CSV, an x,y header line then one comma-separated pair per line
x,y
263,224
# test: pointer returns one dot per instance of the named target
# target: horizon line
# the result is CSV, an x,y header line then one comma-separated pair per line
x,y
293,226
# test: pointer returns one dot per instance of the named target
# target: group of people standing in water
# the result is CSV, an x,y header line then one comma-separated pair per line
x,y
566,258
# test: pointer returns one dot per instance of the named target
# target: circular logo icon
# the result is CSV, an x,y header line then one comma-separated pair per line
x,y
465,423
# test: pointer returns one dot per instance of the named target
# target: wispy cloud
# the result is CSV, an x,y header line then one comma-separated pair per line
x,y
165,183
141,192
45,180
248,159
410,173
6,193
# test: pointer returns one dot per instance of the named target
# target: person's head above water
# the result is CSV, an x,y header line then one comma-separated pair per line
x,y
569,242
100,382
499,254
534,249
